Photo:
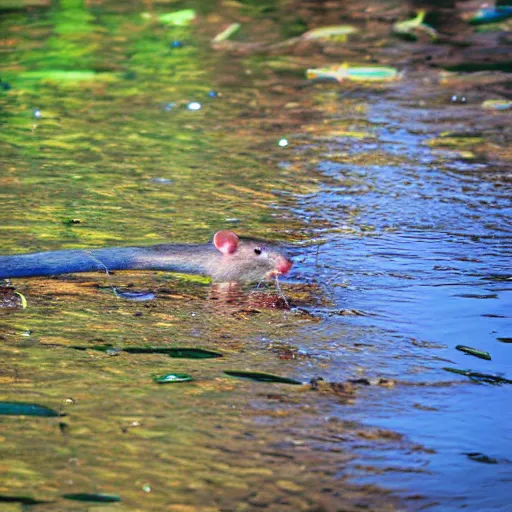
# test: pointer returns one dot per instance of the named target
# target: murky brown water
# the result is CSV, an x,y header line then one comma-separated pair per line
x,y
398,200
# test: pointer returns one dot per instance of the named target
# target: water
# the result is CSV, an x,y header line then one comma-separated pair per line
x,y
403,245
433,272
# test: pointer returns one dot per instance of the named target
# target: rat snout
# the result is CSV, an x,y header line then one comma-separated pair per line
x,y
283,264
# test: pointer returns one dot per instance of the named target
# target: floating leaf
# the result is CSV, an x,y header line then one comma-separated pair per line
x,y
99,498
193,353
178,352
23,300
474,352
172,377
408,28
100,348
483,377
491,15
357,74
497,104
183,17
65,76
480,457
133,295
24,409
330,32
227,33
261,377
24,500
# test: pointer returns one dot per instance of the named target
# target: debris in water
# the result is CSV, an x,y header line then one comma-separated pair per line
x,y
480,457
227,33
136,296
261,377
59,75
178,352
179,18
357,74
409,29
474,352
172,377
23,300
163,181
497,104
482,377
338,32
184,353
24,409
491,15
98,498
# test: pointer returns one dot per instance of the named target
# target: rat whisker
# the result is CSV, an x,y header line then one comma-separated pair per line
x,y
98,261
280,290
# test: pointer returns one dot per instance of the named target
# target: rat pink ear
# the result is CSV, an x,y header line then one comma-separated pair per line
x,y
226,242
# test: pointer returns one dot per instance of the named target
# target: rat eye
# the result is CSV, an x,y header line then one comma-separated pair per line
x,y
257,251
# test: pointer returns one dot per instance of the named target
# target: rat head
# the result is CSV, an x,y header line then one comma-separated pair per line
x,y
246,259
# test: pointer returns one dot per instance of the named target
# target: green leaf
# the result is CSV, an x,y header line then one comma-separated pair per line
x,y
474,352
330,32
23,300
184,353
482,377
99,498
356,73
227,33
497,104
178,352
172,377
24,409
183,17
261,377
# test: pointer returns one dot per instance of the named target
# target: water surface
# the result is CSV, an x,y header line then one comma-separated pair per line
x,y
402,246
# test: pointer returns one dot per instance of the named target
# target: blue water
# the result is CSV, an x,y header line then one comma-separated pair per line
x,y
421,249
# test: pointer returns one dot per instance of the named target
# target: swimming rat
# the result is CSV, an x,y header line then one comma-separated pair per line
x,y
227,259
